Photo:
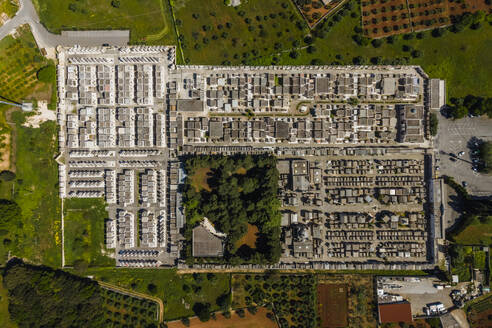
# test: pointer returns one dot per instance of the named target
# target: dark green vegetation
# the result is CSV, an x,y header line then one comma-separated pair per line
x,y
179,293
236,199
84,233
5,321
475,225
35,232
466,258
213,33
461,107
47,73
479,312
293,297
433,124
43,297
122,310
149,21
486,156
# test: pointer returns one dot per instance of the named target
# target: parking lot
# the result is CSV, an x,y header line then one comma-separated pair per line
x,y
454,137
421,292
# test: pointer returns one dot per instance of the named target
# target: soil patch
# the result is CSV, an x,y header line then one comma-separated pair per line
x,y
5,151
249,321
333,305
200,179
249,238
241,171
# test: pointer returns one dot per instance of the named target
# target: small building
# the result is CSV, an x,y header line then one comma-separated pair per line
x,y
395,312
206,244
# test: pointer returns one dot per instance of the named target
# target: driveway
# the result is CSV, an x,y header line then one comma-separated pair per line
x,y
27,15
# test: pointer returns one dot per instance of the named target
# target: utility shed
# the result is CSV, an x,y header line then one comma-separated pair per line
x,y
205,244
395,312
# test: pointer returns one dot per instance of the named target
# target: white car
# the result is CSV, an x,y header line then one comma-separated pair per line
x,y
461,153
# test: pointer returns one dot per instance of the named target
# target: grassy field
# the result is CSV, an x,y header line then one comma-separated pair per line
x,y
480,233
84,232
178,300
200,179
149,21
249,321
8,7
5,321
36,235
213,33
461,59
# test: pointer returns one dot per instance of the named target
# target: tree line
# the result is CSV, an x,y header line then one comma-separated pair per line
x,y
474,105
43,297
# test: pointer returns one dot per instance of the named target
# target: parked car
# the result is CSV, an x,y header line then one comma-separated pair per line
x,y
465,183
461,153
452,159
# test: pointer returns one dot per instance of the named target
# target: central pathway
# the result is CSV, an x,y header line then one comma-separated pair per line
x,y
27,15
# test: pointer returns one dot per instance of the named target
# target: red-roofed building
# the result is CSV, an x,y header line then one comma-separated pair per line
x,y
395,312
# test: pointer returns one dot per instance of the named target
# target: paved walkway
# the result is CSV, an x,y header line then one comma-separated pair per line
x,y
27,15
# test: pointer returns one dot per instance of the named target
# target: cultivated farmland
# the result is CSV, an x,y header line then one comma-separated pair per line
x,y
479,313
346,301
332,305
315,11
123,309
259,319
292,297
426,14
387,17
383,18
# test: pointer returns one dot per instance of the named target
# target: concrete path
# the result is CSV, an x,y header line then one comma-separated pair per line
x,y
27,15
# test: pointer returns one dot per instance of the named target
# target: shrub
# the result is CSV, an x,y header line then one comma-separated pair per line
x,y
115,3
294,54
376,43
311,49
46,74
7,175
240,313
202,311
417,53
152,288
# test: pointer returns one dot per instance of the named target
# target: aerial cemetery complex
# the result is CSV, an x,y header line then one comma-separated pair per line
x,y
352,147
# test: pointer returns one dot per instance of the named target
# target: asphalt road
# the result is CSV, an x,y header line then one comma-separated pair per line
x,y
453,137
27,15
